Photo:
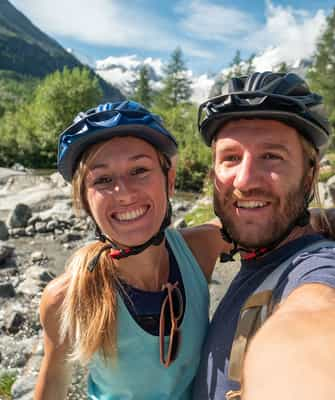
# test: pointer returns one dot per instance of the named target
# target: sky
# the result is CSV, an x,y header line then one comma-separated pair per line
x,y
209,32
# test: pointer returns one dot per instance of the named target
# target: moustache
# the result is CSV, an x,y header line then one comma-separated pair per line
x,y
239,195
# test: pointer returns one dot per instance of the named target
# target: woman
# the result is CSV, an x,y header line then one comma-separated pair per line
x,y
133,305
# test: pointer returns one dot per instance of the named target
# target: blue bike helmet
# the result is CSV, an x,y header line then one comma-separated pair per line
x,y
268,95
126,118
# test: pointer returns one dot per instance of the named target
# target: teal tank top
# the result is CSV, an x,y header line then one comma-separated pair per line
x,y
137,374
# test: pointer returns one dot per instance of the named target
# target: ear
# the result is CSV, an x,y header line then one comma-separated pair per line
x,y
310,176
211,174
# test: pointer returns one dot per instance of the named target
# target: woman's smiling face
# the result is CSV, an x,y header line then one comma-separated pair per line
x,y
126,190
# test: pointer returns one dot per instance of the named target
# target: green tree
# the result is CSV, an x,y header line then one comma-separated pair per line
x,y
193,156
237,68
322,73
33,129
57,100
176,84
143,92
283,67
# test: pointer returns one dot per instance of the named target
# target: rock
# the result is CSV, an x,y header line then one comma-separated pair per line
x,y
35,218
4,235
37,256
19,167
57,179
6,251
30,230
23,387
52,225
39,274
19,217
7,290
63,210
331,188
14,319
325,162
18,232
70,237
179,223
7,173
41,227
30,287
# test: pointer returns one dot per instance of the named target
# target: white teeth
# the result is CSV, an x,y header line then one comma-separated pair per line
x,y
129,215
250,204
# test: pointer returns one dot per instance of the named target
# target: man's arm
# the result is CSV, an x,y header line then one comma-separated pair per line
x,y
206,244
293,355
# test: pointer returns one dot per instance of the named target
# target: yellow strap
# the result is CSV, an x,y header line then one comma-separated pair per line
x,y
234,395
258,300
250,320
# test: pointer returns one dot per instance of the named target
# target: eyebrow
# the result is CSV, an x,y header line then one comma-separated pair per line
x,y
264,146
133,158
276,146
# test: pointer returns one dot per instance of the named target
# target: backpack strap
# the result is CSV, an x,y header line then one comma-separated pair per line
x,y
255,311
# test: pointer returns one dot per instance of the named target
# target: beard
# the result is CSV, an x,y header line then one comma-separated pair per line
x,y
268,232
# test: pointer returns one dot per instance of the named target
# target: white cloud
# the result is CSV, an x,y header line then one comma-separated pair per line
x,y
107,23
213,22
288,35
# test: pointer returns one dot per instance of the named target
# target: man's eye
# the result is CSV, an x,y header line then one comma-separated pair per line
x,y
271,156
139,171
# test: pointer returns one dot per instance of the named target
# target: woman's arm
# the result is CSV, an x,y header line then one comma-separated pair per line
x,y
55,373
206,244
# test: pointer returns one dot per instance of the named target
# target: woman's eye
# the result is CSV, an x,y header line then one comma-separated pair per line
x,y
231,158
103,180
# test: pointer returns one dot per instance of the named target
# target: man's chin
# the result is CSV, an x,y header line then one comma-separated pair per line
x,y
253,241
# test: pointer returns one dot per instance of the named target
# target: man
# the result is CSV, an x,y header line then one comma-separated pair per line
x,y
268,134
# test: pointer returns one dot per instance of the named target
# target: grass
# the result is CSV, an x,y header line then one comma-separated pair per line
x,y
6,383
200,215
325,175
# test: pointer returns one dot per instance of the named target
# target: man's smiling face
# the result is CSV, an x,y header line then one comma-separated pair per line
x,y
259,179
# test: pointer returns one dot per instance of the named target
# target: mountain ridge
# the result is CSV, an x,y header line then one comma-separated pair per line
x,y
27,50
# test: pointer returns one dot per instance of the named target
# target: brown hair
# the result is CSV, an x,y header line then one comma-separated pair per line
x,y
89,310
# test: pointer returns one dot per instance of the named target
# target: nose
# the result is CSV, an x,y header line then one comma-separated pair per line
x,y
123,191
248,174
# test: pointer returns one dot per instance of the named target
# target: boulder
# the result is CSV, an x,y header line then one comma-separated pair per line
x,y
19,216
4,235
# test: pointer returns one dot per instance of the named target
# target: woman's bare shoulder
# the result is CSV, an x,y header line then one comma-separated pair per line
x,y
53,296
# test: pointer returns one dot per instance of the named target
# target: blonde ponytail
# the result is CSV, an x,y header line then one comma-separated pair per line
x,y
89,310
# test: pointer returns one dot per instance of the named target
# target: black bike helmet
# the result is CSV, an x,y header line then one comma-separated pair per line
x,y
267,95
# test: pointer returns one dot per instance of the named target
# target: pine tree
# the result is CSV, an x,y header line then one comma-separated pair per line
x,y
143,92
322,74
283,67
176,84
238,67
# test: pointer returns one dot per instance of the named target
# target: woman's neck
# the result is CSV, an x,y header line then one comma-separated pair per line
x,y
148,270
